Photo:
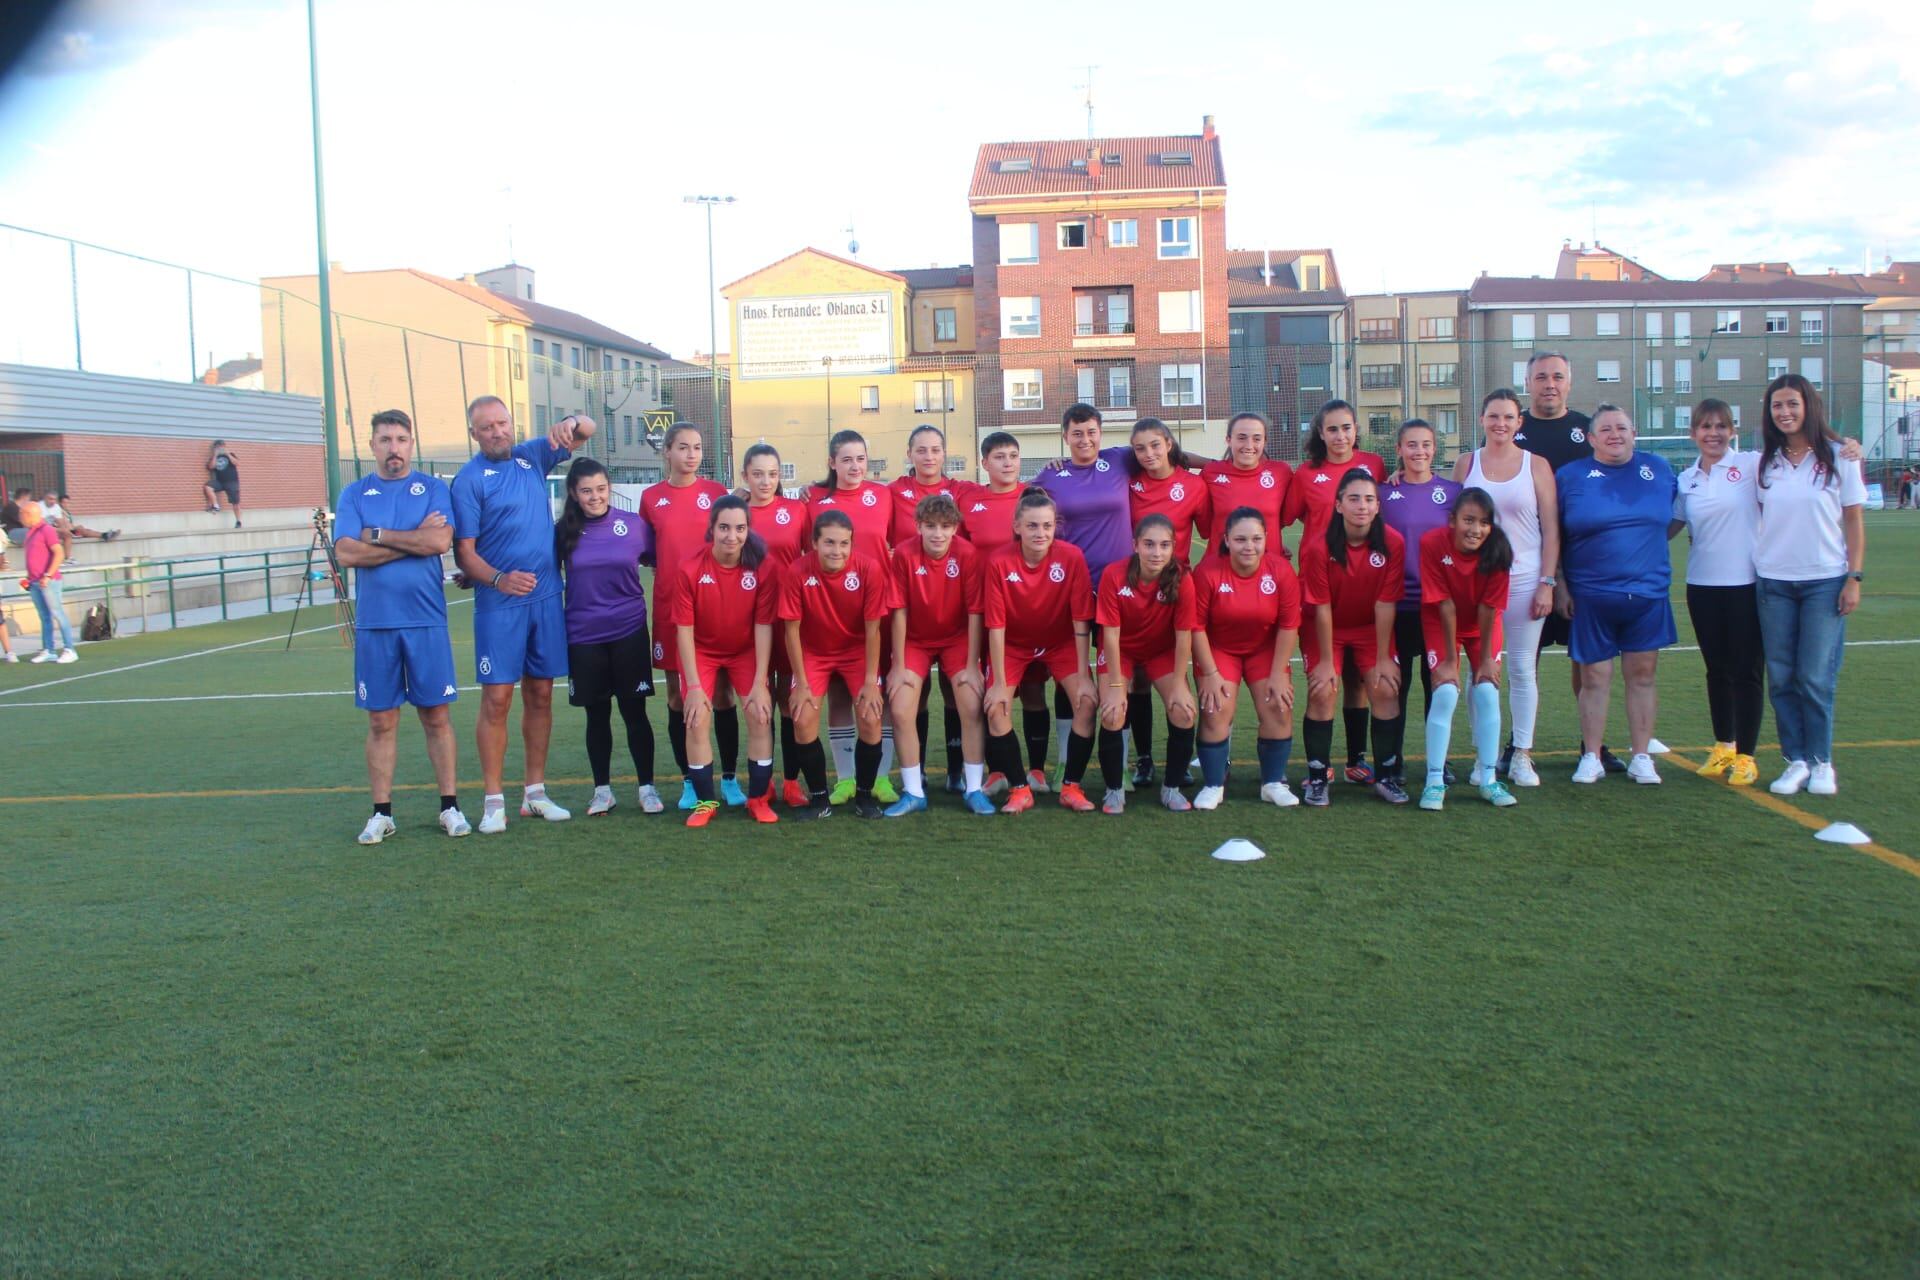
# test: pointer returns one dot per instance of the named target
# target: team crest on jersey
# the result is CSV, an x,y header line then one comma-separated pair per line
x,y
619,528
1377,560
524,464
953,568
1733,474
1577,436
1266,479
1103,465
783,516
1646,472
416,488
748,582
1057,572
704,501
1322,478
1439,497
1178,493
867,498
363,691
1433,657
486,665
1395,496
853,582
1267,585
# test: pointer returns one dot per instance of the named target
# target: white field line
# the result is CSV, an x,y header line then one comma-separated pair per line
x,y
199,697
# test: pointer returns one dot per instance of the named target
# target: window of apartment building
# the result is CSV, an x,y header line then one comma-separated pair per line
x,y
540,348
1380,424
1446,422
1085,380
1176,238
956,466
1072,235
933,397
1119,386
1606,371
1776,322
877,468
1683,417
1656,328
1379,377
1776,365
787,472
626,372
1102,311
1436,328
869,400
1022,388
606,363
626,428
1299,331
1380,329
1315,375
1656,418
519,411
1607,324
1522,337
517,373
1559,324
1726,322
540,419
1440,375
1728,369
1019,242
1179,384
573,357
1813,328
1682,328
1736,416
1683,376
1123,233
946,324
1019,317
1813,369
1180,311
1519,382
1656,375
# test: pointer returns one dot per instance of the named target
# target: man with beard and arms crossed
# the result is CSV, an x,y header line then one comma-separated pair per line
x,y
505,548
392,527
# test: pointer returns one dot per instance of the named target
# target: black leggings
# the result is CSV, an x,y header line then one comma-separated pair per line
x,y
1726,620
1411,641
633,710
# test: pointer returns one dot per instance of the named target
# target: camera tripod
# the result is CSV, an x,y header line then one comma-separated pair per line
x,y
322,544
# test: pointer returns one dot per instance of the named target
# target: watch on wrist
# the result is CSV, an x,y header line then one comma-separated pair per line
x,y
1549,582
1857,576
373,535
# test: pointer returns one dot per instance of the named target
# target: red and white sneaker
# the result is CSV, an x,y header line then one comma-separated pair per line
x,y
702,813
1072,797
793,795
760,808
1019,800
1037,780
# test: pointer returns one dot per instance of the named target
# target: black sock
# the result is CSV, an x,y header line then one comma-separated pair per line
x,y
600,741
789,749
701,776
951,718
1388,735
1113,757
1140,721
1356,718
1319,736
1079,752
1038,723
1062,709
866,766
813,763
759,778
449,802
1179,752
384,810
726,734
677,737
1003,756
921,721
633,711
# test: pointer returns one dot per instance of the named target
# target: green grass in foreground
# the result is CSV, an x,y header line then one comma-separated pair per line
x,y
1615,1030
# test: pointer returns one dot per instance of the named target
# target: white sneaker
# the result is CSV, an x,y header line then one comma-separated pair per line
x,y
454,823
45,655
1521,773
1793,781
1474,779
1641,770
1279,793
1172,799
1655,747
1209,797
1588,770
1114,802
1823,782
650,801
66,656
542,807
12,657
378,828
602,802
493,821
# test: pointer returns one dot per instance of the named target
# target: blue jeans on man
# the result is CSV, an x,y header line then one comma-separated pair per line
x,y
1805,635
46,598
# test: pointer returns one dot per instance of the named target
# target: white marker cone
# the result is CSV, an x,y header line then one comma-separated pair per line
x,y
1843,833
1238,850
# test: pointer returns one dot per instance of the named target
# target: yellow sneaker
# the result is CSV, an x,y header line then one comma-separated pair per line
x,y
1744,772
1719,760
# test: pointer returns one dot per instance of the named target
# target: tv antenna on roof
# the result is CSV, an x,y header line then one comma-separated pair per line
x,y
1088,86
853,244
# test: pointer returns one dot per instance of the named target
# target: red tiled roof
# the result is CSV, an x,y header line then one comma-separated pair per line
x,y
1140,167
1898,359
818,253
1245,285
1509,290
1898,278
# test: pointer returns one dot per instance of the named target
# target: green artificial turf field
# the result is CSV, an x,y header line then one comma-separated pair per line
x,y
1615,1030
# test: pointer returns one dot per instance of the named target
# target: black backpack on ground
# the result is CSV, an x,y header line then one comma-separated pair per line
x,y
98,624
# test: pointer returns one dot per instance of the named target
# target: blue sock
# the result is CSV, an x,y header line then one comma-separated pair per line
x,y
1274,753
1486,724
1213,763
1440,730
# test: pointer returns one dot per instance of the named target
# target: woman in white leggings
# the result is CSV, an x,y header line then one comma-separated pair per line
x,y
1527,511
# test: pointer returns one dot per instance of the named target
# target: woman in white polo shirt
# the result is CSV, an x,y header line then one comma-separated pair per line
x,y
1809,552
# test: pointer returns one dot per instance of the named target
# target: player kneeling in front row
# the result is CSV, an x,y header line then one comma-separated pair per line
x,y
831,603
938,601
1145,610
1463,594
393,527
723,624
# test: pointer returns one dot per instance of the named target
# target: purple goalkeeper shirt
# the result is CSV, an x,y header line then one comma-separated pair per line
x,y
605,600
1095,513
1410,510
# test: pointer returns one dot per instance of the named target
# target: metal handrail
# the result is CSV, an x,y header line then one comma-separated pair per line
x,y
121,576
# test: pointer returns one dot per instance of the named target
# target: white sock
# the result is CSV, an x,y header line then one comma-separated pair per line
x,y
536,791
840,740
494,800
910,778
1062,731
975,774
886,750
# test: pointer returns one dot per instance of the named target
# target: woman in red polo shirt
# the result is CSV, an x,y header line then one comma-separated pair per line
x,y
1246,477
1145,612
1464,566
937,603
784,526
1163,484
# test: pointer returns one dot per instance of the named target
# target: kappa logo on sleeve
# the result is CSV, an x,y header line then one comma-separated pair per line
x,y
1221,478
487,471
977,509
369,493
1395,496
1125,593
1322,478
1596,474
448,692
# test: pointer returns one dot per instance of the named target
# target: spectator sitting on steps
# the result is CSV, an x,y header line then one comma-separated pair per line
x,y
223,476
58,515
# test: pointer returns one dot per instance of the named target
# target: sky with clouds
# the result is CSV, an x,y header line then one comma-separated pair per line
x,y
1423,144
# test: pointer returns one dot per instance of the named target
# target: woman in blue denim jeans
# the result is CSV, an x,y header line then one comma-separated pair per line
x,y
1809,555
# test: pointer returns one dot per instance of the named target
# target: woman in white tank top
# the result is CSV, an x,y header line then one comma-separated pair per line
x,y
1528,512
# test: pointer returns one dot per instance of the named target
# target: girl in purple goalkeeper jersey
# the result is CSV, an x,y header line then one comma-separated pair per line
x,y
1412,502
609,653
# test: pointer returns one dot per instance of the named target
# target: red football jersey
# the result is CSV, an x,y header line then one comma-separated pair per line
x,y
1264,488
870,507
1447,573
986,517
1181,498
1367,578
1038,604
908,493
722,605
1241,615
1310,496
832,608
679,520
1146,621
786,527
937,594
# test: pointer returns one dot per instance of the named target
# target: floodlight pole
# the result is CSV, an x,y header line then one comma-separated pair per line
x,y
329,416
713,314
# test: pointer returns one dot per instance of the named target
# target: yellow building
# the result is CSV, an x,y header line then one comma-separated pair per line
x,y
823,344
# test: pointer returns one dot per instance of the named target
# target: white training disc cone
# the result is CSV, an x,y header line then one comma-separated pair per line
x,y
1238,850
1843,833
1655,747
